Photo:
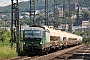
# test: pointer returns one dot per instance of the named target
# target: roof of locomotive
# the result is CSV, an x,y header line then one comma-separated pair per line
x,y
37,26
34,27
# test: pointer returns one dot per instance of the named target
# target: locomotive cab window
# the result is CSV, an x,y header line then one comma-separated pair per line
x,y
28,33
36,33
32,33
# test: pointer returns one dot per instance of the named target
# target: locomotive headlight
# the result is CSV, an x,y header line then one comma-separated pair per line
x,y
40,42
23,42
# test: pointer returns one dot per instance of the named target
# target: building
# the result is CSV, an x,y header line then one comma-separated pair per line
x,y
85,24
72,6
63,27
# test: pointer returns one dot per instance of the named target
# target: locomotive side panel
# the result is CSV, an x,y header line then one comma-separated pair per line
x,y
47,39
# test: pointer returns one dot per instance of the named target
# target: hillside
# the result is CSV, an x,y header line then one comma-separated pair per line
x,y
24,6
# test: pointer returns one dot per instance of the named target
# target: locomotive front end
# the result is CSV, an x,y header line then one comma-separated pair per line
x,y
32,39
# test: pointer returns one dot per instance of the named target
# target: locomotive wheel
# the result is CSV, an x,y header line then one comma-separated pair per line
x,y
46,51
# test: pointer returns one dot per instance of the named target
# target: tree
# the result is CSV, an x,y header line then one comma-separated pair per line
x,y
78,32
67,14
5,34
85,14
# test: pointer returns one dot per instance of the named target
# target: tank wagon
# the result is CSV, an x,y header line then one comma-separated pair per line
x,y
42,39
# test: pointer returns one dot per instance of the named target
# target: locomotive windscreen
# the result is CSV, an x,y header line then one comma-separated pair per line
x,y
32,33
36,33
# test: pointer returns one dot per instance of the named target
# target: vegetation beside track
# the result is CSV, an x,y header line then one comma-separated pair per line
x,y
5,47
85,34
7,52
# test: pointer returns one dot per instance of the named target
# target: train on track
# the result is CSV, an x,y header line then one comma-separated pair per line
x,y
43,39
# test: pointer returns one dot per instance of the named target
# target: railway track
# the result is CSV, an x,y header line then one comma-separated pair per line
x,y
77,54
22,58
51,56
82,54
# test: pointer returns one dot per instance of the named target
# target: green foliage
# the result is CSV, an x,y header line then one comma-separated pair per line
x,y
85,34
7,52
84,3
78,32
5,35
67,14
41,5
85,14
85,39
4,23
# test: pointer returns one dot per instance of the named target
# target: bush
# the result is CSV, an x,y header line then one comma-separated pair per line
x,y
7,52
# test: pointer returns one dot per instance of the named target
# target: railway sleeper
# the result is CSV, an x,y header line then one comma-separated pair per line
x,y
65,56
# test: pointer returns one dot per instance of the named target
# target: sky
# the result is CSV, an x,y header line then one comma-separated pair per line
x,y
8,2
